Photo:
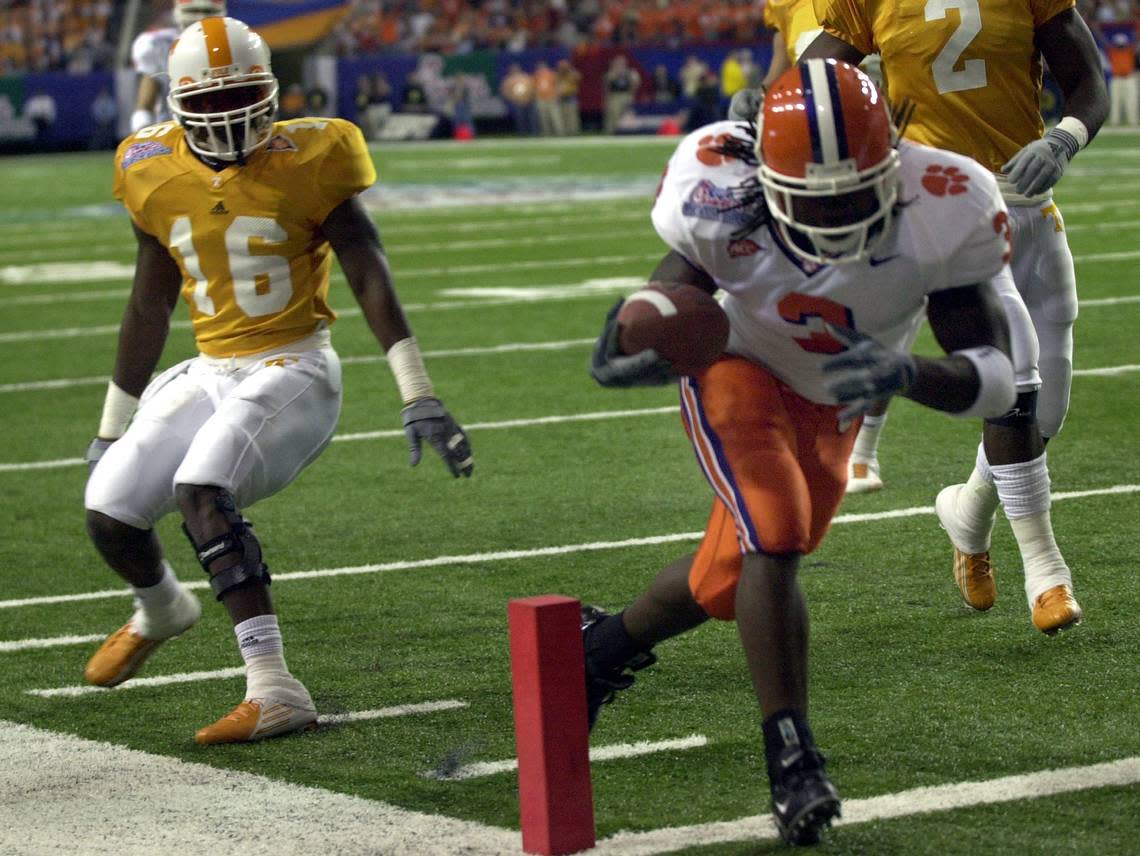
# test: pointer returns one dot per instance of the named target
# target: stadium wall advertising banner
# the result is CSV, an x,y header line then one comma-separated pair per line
x,y
286,24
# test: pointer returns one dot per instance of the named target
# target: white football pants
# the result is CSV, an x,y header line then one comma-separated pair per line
x,y
248,425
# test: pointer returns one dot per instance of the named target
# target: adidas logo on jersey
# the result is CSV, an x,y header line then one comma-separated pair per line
x,y
220,208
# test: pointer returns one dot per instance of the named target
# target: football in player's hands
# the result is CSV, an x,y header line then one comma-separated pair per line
x,y
682,323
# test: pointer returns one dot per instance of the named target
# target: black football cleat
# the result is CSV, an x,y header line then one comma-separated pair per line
x,y
603,683
804,801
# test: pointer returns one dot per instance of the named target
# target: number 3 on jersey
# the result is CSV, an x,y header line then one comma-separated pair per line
x,y
814,313
262,280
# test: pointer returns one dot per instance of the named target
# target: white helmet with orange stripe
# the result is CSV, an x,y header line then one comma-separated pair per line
x,y
222,89
828,163
187,12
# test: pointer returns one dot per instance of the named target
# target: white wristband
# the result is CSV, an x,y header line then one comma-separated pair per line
x,y
141,119
1075,127
118,408
407,366
997,390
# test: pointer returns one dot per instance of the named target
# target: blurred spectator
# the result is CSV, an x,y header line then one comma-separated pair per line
x,y
734,73
292,104
706,102
1124,87
691,75
621,85
666,90
546,100
569,82
104,114
517,90
54,35
40,109
415,96
373,103
316,102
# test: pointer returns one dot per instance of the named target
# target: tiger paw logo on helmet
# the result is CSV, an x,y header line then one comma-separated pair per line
x,y
945,180
710,150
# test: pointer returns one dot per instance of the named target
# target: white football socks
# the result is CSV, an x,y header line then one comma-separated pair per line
x,y
159,610
266,675
977,504
867,441
1024,492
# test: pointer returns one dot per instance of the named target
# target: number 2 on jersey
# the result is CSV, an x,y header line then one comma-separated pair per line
x,y
972,75
262,283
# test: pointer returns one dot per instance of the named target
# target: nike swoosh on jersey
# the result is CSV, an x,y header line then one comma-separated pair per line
x,y
876,262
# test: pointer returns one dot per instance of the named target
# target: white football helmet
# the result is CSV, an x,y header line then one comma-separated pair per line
x,y
828,163
187,12
222,90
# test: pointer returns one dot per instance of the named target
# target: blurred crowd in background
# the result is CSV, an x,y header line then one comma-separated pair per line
x,y
562,64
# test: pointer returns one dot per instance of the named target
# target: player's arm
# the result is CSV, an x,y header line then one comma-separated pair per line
x,y
1069,48
609,366
145,103
142,336
827,46
779,63
355,241
974,379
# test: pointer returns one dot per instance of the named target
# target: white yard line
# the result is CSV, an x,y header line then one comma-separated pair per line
x,y
90,791
390,712
139,683
532,553
612,752
53,642
927,800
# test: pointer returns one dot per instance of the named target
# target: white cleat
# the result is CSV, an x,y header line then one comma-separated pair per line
x,y
863,477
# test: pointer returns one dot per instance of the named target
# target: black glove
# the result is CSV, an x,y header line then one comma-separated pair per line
x,y
95,452
427,419
866,372
610,367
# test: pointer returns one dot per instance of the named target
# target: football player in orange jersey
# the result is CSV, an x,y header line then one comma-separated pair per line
x,y
974,78
241,216
828,240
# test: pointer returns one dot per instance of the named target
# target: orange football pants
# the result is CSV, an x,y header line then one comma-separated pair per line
x,y
776,462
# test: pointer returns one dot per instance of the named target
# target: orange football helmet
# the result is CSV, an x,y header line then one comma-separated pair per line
x,y
828,163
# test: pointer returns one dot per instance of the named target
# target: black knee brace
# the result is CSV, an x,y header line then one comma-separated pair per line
x,y
1024,410
240,539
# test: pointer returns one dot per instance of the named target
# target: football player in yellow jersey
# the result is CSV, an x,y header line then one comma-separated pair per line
x,y
972,69
240,215
794,26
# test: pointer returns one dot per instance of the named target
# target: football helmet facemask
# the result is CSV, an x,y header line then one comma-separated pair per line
x,y
222,90
187,12
828,163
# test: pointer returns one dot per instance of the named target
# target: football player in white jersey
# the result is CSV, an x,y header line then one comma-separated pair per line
x,y
827,237
149,53
240,215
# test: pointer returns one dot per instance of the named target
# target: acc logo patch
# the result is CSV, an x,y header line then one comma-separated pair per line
x,y
709,201
743,247
945,181
141,151
280,143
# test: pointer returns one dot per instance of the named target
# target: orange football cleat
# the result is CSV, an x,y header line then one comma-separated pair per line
x,y
119,657
1055,610
257,719
975,578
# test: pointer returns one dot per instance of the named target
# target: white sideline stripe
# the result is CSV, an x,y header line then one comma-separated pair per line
x,y
1109,371
388,712
612,752
88,788
159,681
937,798
53,642
399,432
535,552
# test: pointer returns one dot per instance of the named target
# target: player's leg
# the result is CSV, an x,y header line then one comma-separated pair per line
x,y
128,492
279,416
863,475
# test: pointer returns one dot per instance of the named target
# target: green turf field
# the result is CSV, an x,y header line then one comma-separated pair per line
x,y
909,688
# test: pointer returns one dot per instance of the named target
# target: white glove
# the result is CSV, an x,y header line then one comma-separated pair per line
x,y
866,372
1040,165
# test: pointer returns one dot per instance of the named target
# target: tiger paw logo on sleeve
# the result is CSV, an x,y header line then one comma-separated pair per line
x,y
944,181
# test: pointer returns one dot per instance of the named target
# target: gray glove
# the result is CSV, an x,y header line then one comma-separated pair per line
x,y
866,372
610,367
745,105
95,452
427,419
1040,165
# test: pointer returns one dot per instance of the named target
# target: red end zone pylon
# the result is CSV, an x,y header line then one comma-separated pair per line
x,y
556,803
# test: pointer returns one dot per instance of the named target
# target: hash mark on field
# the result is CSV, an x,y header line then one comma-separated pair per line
x,y
388,712
53,642
537,552
597,753
160,680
